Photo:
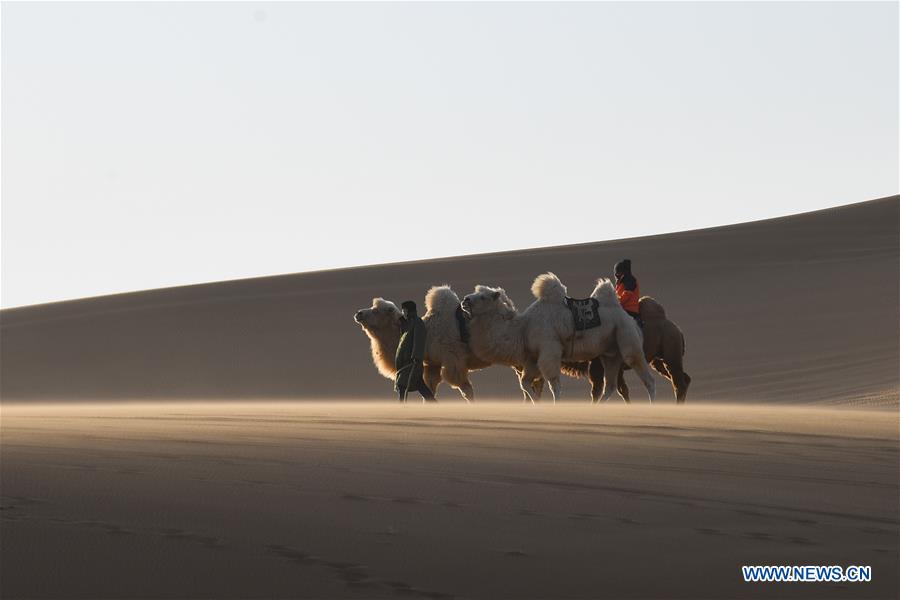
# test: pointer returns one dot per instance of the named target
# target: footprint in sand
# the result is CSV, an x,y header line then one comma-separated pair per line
x,y
12,512
800,541
296,556
579,517
402,588
407,500
390,530
110,528
876,531
352,574
16,501
180,534
356,497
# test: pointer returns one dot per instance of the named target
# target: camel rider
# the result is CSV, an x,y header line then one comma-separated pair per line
x,y
410,354
628,290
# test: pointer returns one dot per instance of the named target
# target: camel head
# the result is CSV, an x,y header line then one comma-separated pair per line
x,y
381,322
487,301
382,318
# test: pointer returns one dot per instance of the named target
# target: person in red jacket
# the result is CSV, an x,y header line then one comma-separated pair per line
x,y
628,290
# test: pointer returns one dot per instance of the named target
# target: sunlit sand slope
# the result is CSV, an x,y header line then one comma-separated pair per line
x,y
799,309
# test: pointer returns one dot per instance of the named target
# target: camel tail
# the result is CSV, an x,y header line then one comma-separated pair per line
x,y
549,288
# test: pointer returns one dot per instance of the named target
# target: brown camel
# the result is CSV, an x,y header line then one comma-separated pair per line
x,y
663,347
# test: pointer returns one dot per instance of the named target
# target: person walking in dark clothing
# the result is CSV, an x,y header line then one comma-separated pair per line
x,y
410,354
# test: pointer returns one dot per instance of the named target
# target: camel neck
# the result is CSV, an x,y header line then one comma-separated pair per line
x,y
384,349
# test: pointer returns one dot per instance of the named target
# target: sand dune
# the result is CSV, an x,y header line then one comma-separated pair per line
x,y
799,309
306,500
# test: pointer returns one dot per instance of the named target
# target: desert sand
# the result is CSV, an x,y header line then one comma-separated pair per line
x,y
801,309
492,500
209,441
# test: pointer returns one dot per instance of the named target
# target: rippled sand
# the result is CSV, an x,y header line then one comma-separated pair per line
x,y
490,500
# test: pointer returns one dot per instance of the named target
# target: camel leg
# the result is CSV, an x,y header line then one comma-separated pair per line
x,y
623,386
624,391
550,366
639,364
680,380
687,384
672,355
611,370
458,377
595,375
519,374
466,391
533,375
432,377
659,365
526,379
526,395
555,389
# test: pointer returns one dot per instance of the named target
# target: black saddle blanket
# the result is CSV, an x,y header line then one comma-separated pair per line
x,y
586,312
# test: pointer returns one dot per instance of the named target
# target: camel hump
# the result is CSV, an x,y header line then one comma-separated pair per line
x,y
548,287
605,293
651,309
441,298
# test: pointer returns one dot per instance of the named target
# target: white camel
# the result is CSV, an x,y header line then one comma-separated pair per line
x,y
447,356
500,334
544,335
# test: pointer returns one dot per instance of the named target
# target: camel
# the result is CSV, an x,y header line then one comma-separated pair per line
x,y
544,334
663,349
447,357
500,335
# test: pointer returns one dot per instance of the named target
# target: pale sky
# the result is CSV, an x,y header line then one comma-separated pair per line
x,y
150,145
